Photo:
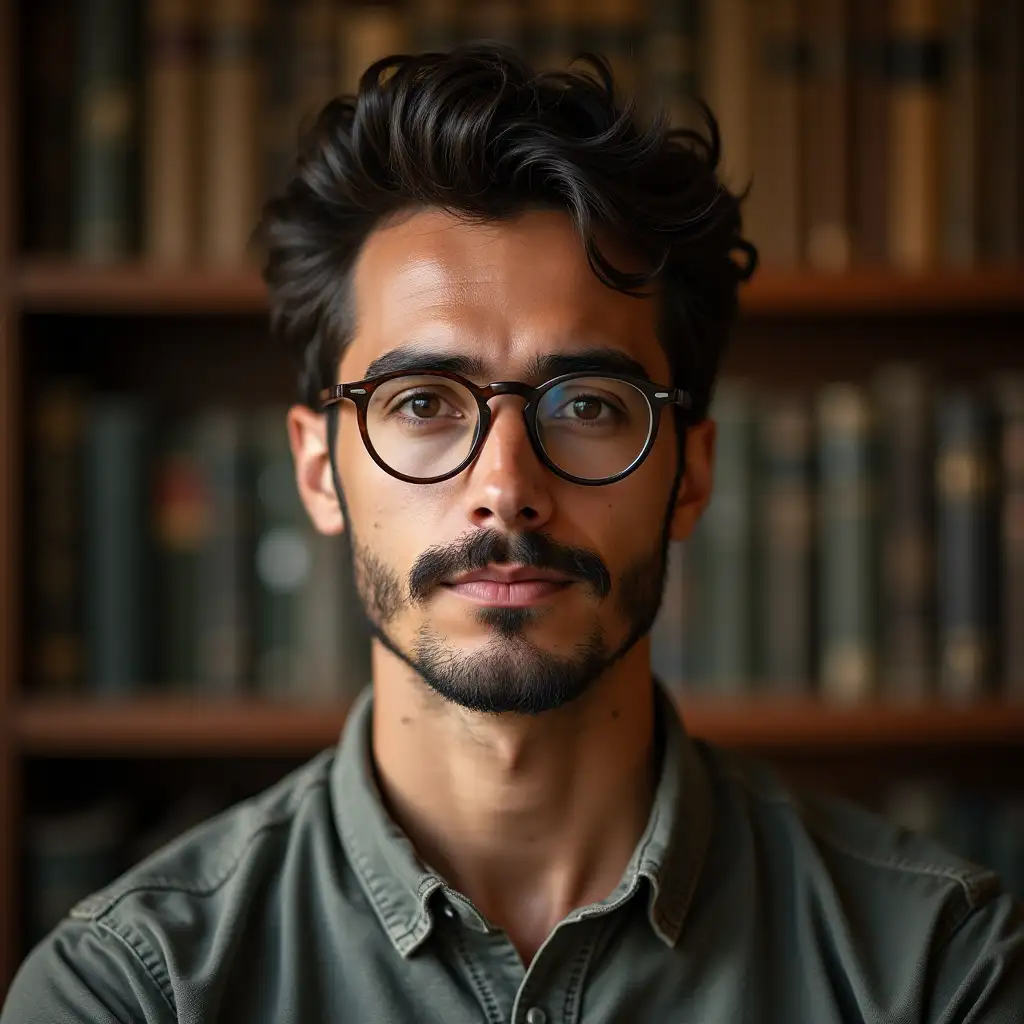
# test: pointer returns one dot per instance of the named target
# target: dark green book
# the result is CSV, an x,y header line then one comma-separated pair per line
x,y
847,580
785,526
282,558
118,574
726,548
903,399
106,118
965,545
57,655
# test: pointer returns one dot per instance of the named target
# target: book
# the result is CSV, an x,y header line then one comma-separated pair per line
x,y
784,525
916,72
965,548
367,32
847,566
230,100
106,123
170,142
902,394
117,545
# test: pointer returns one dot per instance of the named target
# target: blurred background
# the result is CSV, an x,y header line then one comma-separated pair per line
x,y
173,635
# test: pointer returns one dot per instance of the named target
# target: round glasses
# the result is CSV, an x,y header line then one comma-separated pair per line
x,y
427,427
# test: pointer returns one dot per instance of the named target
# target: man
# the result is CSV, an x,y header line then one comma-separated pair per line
x,y
510,303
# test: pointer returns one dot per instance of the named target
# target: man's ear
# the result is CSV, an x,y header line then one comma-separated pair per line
x,y
307,435
695,487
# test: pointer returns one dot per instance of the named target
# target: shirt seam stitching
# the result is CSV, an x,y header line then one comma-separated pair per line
x,y
96,908
971,882
138,948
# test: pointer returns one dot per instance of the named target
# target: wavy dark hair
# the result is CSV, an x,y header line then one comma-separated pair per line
x,y
479,132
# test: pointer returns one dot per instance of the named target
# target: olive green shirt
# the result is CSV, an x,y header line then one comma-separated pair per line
x,y
744,901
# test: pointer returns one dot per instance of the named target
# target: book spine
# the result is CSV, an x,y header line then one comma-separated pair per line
x,y
222,643
670,50
729,542
1009,397
726,85
906,541
916,58
500,21
846,544
870,144
230,131
103,218
964,545
117,580
170,145
962,185
613,30
282,558
1002,130
436,25
279,136
58,657
316,57
367,32
785,543
182,520
50,113
556,32
825,142
773,215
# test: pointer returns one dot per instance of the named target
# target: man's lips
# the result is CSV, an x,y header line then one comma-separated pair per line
x,y
512,586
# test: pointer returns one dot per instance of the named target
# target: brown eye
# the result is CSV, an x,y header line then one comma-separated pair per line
x,y
587,408
424,406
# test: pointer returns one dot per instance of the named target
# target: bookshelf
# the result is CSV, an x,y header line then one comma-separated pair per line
x,y
802,325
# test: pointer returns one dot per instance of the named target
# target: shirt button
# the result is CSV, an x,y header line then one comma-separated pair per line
x,y
535,1015
448,912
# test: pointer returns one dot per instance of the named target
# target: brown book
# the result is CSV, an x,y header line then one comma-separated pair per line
x,y
614,31
869,150
316,54
725,84
230,102
773,210
556,29
170,142
436,25
825,141
915,133
494,20
670,58
366,33
1002,130
962,184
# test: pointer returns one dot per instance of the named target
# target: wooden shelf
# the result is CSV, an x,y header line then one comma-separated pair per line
x,y
54,286
183,727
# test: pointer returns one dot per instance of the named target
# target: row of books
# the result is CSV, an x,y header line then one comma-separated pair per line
x,y
878,131
863,541
173,552
71,853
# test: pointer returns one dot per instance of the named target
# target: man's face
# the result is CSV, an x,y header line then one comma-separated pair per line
x,y
509,296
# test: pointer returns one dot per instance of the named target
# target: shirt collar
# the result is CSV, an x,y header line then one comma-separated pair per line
x,y
399,886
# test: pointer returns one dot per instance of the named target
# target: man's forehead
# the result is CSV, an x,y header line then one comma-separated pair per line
x,y
504,294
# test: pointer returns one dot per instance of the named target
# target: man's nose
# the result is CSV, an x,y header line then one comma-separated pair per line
x,y
507,486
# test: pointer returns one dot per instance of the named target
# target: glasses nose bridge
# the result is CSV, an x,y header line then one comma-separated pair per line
x,y
509,387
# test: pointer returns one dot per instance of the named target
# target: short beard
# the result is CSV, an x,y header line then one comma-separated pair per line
x,y
511,673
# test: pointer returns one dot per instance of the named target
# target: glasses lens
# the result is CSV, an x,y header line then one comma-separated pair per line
x,y
593,427
422,426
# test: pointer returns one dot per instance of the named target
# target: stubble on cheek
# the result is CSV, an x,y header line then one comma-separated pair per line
x,y
379,586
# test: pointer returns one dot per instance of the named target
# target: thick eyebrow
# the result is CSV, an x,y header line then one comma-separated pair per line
x,y
590,360
416,359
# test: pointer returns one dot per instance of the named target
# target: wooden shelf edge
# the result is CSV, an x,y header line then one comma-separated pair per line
x,y
192,727
51,285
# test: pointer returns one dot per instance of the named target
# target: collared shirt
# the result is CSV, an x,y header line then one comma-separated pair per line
x,y
744,901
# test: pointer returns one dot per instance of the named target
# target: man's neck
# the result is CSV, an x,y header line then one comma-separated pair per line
x,y
529,817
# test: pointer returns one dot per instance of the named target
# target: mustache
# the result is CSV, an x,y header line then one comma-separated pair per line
x,y
490,547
